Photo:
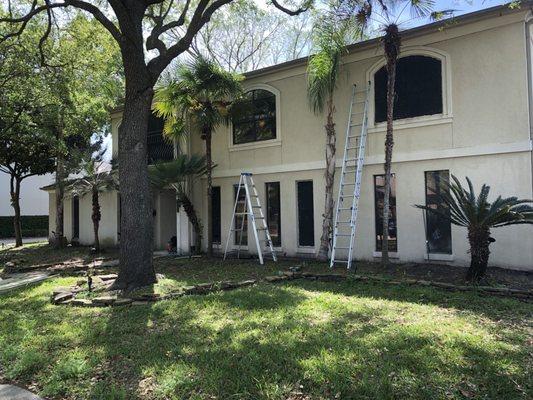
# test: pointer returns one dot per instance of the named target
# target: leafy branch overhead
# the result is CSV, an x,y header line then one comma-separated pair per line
x,y
168,26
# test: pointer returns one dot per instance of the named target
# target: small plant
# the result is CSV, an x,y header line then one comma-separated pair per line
x,y
479,216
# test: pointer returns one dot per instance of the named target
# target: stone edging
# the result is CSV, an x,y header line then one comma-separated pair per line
x,y
67,295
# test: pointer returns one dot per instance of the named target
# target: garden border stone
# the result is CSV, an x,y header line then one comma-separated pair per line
x,y
67,295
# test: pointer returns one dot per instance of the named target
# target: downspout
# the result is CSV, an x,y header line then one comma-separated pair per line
x,y
529,64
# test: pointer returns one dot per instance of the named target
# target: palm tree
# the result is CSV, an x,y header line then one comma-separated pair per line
x,y
201,95
323,72
97,179
463,208
383,14
174,174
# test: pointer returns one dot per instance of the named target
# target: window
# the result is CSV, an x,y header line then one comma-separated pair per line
x,y
159,149
215,214
241,221
255,118
273,212
306,219
379,195
438,228
418,88
75,217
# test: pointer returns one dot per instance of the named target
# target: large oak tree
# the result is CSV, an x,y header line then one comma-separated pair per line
x,y
141,28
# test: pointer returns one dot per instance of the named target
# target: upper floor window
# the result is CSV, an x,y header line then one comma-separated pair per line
x,y
159,148
418,88
255,119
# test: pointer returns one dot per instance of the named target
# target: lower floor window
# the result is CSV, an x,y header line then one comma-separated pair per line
x,y
215,214
306,221
241,221
438,228
273,212
379,196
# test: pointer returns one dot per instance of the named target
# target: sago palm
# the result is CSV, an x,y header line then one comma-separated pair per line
x,y
322,75
97,179
476,213
386,15
175,174
200,96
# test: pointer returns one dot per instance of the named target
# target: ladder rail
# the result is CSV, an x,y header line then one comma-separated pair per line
x,y
341,181
263,219
359,147
252,216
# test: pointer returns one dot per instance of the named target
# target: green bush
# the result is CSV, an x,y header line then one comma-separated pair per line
x,y
32,226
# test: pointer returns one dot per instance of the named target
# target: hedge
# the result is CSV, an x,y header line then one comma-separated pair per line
x,y
32,226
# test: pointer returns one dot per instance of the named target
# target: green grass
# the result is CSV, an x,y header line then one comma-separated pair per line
x,y
297,340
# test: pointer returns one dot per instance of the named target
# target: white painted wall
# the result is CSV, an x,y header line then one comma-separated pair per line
x,y
33,201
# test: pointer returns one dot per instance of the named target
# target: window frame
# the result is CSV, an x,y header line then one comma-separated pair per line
x,y
426,218
268,212
446,117
262,143
300,247
376,249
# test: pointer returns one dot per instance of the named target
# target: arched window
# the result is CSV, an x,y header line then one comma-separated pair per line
x,y
418,88
255,117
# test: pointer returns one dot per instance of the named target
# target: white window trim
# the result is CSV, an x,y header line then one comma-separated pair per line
x,y
262,143
425,120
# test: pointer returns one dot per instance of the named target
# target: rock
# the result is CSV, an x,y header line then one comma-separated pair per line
x,y
275,278
61,289
107,277
61,297
139,303
9,264
104,300
122,302
246,283
81,302
330,277
227,285
295,269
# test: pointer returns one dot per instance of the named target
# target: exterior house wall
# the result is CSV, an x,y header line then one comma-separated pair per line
x,y
483,133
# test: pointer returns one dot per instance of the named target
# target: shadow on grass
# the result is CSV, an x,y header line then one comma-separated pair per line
x,y
288,341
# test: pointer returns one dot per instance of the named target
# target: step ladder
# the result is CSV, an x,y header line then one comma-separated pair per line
x,y
347,206
254,213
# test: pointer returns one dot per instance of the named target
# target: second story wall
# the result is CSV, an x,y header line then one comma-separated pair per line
x,y
483,72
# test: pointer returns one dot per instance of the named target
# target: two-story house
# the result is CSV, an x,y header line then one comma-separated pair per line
x,y
464,108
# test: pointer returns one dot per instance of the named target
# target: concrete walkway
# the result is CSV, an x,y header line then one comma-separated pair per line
x,y
10,392
14,281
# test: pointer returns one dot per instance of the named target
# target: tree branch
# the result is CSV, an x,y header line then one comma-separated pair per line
x,y
289,11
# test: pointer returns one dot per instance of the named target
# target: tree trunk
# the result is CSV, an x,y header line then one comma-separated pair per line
x,y
96,216
479,253
208,156
392,49
193,218
15,202
136,224
59,240
327,221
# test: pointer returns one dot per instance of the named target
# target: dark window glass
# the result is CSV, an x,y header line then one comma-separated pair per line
x,y
438,228
76,217
379,195
159,148
306,218
241,221
273,212
215,217
418,88
255,117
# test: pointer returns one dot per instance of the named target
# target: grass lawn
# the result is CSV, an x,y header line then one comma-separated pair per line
x,y
294,340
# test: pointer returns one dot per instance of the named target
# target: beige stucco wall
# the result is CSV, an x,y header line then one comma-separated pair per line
x,y
483,133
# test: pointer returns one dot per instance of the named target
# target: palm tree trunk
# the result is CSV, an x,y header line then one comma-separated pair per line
x,y
208,157
15,202
392,49
479,253
327,221
96,216
193,218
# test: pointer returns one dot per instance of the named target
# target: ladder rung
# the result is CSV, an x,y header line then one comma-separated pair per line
x,y
344,234
348,184
344,222
341,261
342,248
256,206
345,208
241,213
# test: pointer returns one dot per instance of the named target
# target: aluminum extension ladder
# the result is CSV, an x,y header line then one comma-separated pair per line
x,y
347,206
254,212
